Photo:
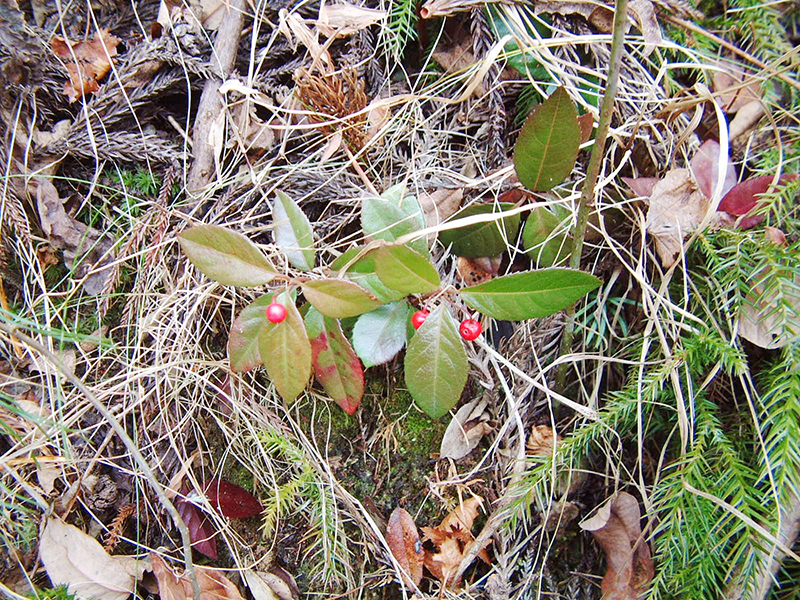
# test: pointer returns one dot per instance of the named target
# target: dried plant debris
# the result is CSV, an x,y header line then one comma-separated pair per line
x,y
86,62
213,584
452,540
617,529
466,429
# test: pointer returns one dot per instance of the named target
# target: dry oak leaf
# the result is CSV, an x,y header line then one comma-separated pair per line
x,y
617,529
403,540
213,584
86,62
78,561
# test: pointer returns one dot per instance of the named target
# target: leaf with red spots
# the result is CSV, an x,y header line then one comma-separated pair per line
x,y
201,530
231,500
336,365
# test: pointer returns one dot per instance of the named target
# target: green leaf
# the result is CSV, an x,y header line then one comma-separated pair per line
x,y
362,272
243,351
482,239
338,298
226,256
547,146
529,295
293,232
404,270
335,363
379,335
383,219
286,352
436,366
542,240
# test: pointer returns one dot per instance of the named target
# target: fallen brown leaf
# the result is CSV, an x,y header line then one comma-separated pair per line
x,y
734,88
78,561
213,584
473,271
541,441
677,206
403,539
759,321
440,205
465,430
617,529
84,248
266,585
86,62
340,20
453,540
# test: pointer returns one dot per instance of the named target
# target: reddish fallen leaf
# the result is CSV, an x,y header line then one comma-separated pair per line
x,y
212,583
617,529
641,186
586,124
201,530
474,271
744,196
705,169
86,62
403,539
231,500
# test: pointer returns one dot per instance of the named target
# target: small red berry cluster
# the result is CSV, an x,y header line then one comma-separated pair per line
x,y
469,329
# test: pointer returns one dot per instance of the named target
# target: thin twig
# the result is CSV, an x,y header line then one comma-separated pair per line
x,y
593,170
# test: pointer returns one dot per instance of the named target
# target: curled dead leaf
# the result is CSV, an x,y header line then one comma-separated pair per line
x,y
617,529
340,20
403,539
466,429
541,441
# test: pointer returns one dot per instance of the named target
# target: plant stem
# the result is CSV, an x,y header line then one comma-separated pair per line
x,y
588,192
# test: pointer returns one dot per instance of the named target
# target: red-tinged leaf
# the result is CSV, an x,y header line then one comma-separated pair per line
x,y
231,500
744,197
403,540
547,147
335,363
201,531
705,168
641,186
243,349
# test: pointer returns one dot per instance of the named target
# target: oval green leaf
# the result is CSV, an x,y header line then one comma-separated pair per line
x,y
379,335
335,363
547,147
226,256
530,294
338,298
436,366
286,352
383,219
293,233
543,239
362,273
482,239
401,268
243,351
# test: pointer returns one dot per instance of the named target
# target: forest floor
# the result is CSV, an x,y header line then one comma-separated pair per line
x,y
654,453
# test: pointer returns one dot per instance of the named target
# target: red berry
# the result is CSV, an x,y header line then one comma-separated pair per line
x,y
470,329
418,318
276,312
